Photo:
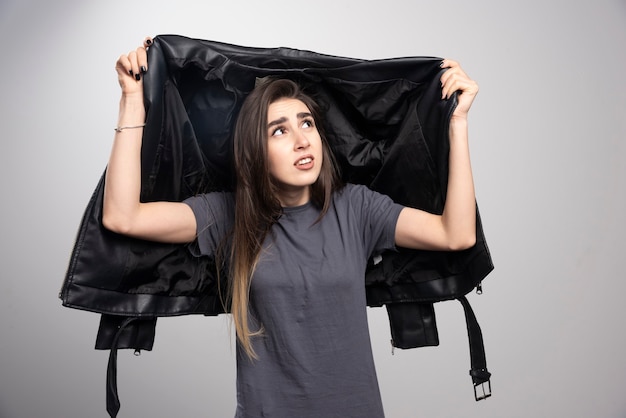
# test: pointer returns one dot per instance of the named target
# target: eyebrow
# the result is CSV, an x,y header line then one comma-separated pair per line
x,y
279,121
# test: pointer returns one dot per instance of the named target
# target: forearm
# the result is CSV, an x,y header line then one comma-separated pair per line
x,y
455,229
459,215
123,177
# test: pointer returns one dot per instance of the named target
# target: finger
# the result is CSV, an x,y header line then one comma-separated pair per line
x,y
463,85
454,78
455,84
452,72
134,65
458,81
448,63
449,88
123,66
142,59
449,83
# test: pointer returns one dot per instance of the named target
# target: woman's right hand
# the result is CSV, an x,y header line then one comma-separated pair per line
x,y
130,69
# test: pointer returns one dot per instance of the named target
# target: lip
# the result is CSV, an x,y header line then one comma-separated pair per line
x,y
307,165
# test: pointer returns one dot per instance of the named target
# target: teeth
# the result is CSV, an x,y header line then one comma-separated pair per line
x,y
304,161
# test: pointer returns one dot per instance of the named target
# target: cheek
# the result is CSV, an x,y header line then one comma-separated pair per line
x,y
274,158
320,147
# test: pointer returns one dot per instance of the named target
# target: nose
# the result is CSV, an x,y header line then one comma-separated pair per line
x,y
301,141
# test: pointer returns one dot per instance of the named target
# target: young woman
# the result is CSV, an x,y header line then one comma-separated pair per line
x,y
297,242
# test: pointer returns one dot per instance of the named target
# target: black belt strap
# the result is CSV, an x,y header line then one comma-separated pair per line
x,y
113,400
480,375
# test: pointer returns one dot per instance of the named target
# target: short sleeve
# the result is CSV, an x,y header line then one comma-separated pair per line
x,y
214,214
378,215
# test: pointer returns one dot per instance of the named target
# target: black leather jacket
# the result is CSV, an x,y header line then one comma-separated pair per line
x,y
387,126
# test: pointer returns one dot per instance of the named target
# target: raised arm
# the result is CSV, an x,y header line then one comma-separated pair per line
x,y
122,210
455,229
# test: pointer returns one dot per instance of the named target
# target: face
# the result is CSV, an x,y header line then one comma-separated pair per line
x,y
294,149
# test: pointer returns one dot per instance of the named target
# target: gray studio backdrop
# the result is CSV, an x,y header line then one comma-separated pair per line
x,y
548,136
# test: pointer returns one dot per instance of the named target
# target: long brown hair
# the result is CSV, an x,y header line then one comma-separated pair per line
x,y
257,206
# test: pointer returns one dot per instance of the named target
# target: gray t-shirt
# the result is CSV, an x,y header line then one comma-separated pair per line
x,y
308,293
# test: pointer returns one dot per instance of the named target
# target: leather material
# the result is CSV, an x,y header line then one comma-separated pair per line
x,y
412,324
386,124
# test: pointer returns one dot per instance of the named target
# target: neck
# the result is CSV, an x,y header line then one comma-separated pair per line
x,y
292,198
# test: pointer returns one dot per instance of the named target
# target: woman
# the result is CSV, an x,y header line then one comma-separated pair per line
x,y
297,242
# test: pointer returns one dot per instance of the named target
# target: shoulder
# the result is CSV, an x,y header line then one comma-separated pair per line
x,y
214,203
362,201
224,198
358,194
351,189
369,203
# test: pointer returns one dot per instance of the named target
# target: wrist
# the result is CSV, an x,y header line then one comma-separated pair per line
x,y
132,98
458,120
458,130
132,110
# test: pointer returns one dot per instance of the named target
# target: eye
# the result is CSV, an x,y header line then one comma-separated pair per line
x,y
278,131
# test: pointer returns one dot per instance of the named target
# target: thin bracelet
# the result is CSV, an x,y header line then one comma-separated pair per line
x,y
121,128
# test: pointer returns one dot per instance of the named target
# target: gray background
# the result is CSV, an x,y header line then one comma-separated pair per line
x,y
547,138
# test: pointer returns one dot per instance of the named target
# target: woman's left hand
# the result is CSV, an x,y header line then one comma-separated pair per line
x,y
455,79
